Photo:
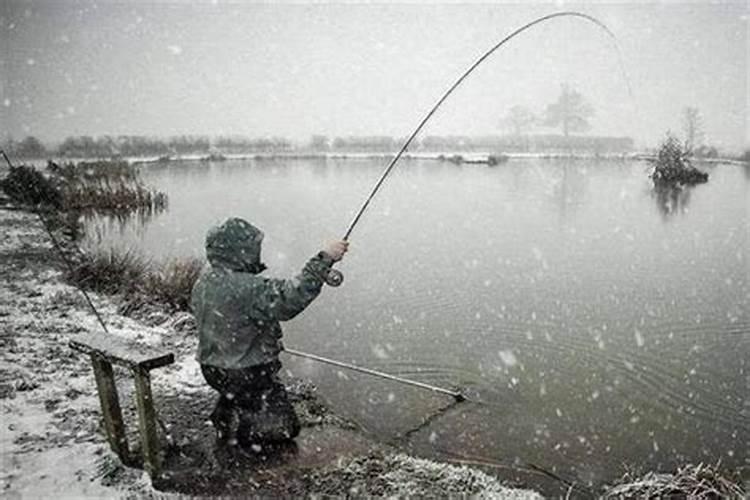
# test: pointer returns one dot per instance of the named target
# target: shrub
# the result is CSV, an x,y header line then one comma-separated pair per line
x,y
28,186
497,159
672,165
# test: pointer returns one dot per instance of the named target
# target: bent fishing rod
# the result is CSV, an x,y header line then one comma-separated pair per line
x,y
335,277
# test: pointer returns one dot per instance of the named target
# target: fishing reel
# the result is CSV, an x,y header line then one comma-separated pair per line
x,y
334,278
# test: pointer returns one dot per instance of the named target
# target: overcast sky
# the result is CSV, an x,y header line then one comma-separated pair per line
x,y
166,68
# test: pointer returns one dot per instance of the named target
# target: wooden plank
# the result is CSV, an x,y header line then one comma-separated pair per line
x,y
147,422
121,353
110,402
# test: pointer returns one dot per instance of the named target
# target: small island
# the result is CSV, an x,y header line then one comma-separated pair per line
x,y
672,166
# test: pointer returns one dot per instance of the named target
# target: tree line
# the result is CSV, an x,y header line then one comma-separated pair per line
x,y
570,112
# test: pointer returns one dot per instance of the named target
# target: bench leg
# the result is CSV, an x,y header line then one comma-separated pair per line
x,y
105,386
147,422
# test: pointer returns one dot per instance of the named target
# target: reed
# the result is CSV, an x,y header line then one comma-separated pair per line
x,y
113,186
104,185
139,281
691,482
171,283
110,271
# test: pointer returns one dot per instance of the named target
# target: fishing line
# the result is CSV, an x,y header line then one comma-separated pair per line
x,y
334,277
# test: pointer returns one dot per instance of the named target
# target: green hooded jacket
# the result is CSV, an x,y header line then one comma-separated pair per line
x,y
237,310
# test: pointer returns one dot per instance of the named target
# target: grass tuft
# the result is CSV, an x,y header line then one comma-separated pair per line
x,y
691,482
109,271
172,283
140,282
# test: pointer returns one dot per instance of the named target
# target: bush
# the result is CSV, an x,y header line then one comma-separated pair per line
x,y
497,159
28,186
672,165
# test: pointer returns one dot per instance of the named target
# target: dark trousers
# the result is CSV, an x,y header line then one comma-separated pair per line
x,y
259,399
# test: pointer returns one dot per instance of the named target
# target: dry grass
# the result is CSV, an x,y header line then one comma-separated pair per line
x,y
692,482
101,185
139,281
104,185
116,196
87,171
172,283
109,271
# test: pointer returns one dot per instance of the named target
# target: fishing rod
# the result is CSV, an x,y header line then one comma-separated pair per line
x,y
458,396
335,277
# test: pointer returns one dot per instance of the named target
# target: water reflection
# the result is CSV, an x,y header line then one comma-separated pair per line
x,y
570,191
98,226
671,199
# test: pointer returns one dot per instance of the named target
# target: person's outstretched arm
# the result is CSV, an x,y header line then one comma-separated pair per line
x,y
284,299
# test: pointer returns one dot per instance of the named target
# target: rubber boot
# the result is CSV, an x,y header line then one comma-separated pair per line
x,y
221,419
272,424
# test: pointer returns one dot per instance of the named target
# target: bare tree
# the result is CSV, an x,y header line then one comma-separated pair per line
x,y
692,124
570,111
518,119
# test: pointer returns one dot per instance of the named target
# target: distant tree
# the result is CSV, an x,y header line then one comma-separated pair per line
x,y
570,111
30,147
319,143
88,147
692,124
186,144
518,119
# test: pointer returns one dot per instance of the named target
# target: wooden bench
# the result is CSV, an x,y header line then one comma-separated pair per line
x,y
106,350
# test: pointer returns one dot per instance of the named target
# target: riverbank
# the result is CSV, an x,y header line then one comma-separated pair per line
x,y
53,442
479,157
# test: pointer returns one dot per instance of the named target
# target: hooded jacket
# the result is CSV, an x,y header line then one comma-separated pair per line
x,y
237,310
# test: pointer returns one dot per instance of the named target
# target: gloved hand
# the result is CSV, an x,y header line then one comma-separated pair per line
x,y
336,249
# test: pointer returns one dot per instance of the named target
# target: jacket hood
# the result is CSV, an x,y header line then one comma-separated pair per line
x,y
235,245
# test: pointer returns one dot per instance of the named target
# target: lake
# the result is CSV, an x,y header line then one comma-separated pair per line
x,y
592,322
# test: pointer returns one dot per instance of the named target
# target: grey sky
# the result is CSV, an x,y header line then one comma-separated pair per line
x,y
165,68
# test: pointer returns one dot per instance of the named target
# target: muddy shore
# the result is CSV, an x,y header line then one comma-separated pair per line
x,y
53,441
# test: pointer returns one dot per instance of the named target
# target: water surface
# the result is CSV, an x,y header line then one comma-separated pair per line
x,y
597,322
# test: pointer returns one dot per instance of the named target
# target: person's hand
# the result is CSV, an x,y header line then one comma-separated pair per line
x,y
336,249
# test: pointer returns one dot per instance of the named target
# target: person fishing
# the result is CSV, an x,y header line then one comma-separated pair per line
x,y
238,311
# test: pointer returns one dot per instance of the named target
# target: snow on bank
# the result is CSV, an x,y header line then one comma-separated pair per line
x,y
403,476
51,443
